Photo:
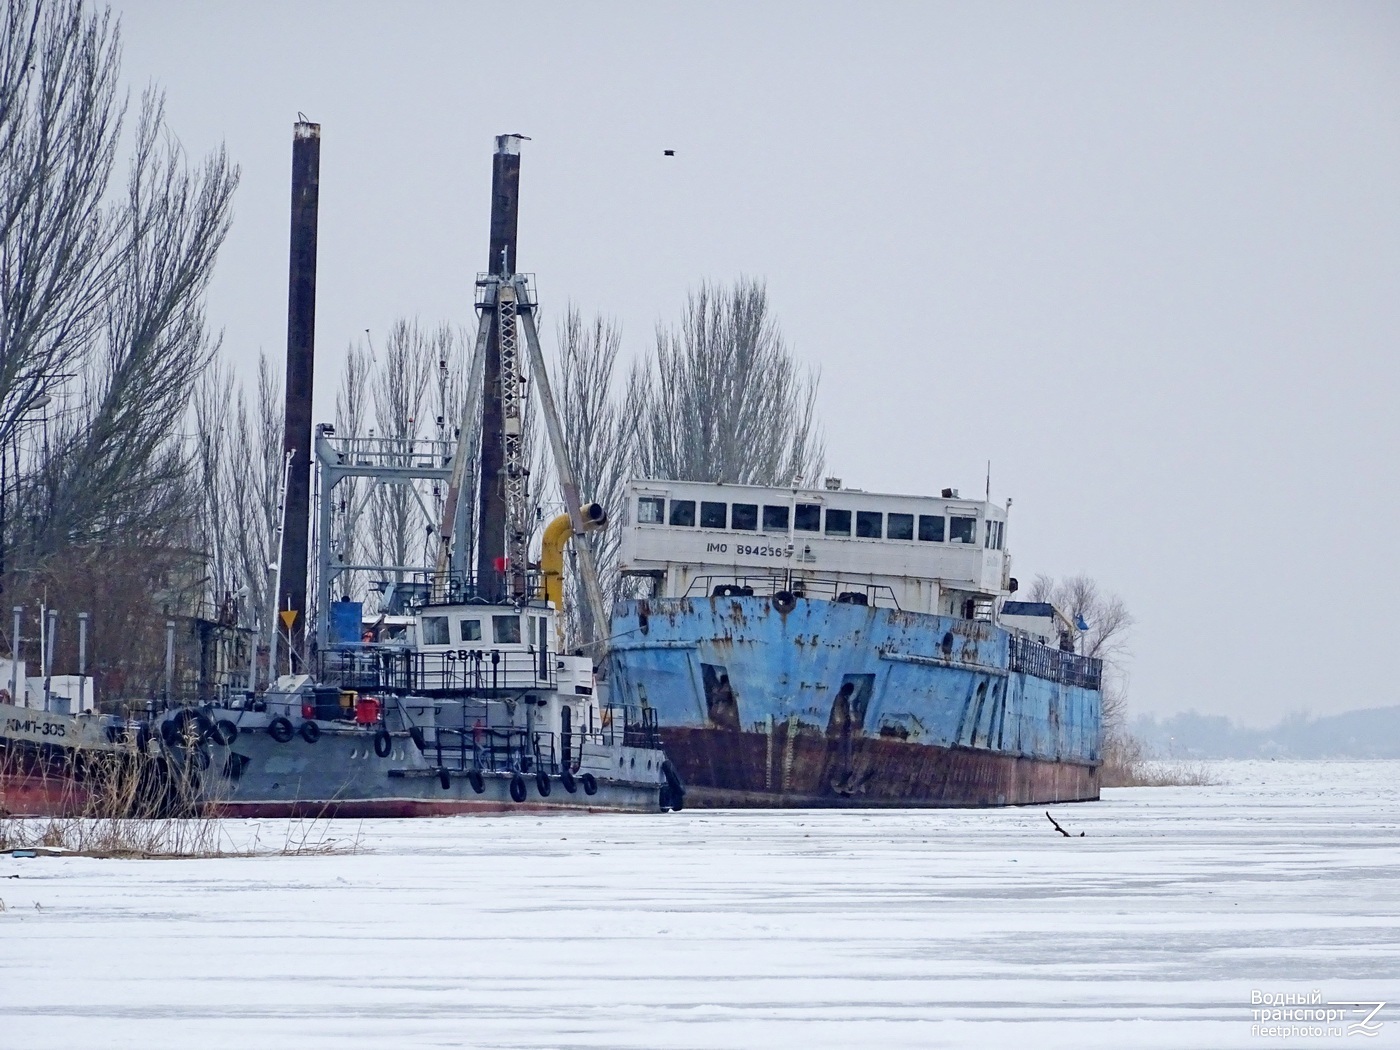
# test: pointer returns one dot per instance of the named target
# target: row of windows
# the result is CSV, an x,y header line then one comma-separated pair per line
x,y
812,517
505,630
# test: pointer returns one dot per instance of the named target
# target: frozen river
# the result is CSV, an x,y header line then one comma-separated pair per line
x,y
744,929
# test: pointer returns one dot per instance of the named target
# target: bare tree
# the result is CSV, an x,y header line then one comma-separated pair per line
x,y
117,464
399,390
1104,635
724,400
584,383
248,490
102,328
60,121
351,412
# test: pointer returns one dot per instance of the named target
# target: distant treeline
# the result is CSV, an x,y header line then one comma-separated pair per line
x,y
1372,733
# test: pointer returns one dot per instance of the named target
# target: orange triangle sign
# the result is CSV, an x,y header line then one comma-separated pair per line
x,y
289,617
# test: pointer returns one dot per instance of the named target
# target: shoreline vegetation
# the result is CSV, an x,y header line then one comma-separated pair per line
x,y
142,807
1128,762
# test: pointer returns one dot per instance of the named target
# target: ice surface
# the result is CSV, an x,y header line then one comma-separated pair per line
x,y
708,929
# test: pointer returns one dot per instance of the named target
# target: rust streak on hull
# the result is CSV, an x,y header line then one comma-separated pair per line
x,y
800,766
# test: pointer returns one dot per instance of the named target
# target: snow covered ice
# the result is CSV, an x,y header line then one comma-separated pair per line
x,y
738,929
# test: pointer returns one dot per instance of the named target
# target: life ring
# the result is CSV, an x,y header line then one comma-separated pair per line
x,y
419,741
310,732
567,779
476,780
383,743
590,784
517,788
674,788
784,602
542,783
280,729
445,779
224,732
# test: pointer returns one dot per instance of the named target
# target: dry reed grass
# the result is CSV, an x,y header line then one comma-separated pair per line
x,y
146,806
1127,763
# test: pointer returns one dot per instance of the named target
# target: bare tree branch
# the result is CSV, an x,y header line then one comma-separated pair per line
x,y
723,399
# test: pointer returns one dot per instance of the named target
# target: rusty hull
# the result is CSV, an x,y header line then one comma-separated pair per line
x,y
798,765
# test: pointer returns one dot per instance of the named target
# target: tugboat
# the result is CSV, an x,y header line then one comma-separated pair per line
x,y
472,717
838,648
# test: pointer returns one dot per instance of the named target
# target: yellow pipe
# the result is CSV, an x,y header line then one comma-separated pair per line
x,y
556,536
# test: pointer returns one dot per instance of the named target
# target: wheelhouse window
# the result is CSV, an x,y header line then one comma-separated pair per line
x,y
900,527
744,516
807,517
962,530
435,631
838,523
505,630
931,528
714,515
994,534
870,524
775,519
470,630
683,512
651,510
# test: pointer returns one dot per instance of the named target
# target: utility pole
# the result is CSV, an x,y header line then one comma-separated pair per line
x,y
82,661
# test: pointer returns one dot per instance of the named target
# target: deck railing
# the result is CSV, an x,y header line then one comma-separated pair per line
x,y
437,673
1031,657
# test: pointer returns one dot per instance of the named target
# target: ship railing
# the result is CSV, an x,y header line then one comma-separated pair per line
x,y
625,724
1056,665
426,589
403,453
497,749
448,671
843,591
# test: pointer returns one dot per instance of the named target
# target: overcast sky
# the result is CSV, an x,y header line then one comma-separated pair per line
x,y
1144,258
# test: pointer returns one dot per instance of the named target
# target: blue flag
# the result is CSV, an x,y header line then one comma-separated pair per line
x,y
1079,622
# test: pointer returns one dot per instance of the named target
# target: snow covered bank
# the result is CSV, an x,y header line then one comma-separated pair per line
x,y
905,929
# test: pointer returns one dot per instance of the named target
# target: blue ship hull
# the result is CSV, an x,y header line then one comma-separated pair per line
x,y
830,704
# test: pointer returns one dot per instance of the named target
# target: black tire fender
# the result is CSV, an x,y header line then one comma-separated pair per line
x,y
476,780
445,779
590,784
224,732
310,732
542,783
419,741
280,729
674,787
567,779
517,788
383,743
199,758
784,602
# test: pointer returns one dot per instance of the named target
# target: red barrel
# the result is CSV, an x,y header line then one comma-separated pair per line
x,y
367,711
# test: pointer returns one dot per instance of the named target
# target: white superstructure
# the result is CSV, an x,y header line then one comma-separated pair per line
x,y
943,554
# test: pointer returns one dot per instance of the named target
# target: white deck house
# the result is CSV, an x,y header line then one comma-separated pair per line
x,y
942,554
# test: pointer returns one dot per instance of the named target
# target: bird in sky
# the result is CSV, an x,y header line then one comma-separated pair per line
x,y
668,152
